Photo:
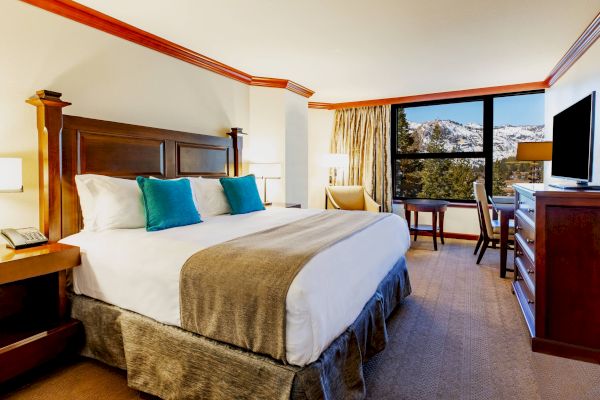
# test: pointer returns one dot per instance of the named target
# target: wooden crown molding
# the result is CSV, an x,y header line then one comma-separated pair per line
x,y
581,45
281,83
95,19
320,106
521,87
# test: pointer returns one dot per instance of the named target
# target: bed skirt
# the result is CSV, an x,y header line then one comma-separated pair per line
x,y
172,363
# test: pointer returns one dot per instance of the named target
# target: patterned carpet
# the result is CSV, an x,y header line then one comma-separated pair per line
x,y
460,335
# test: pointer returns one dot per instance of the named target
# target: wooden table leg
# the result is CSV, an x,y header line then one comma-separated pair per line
x,y
504,220
416,225
442,226
434,229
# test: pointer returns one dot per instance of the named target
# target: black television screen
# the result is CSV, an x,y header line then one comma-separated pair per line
x,y
573,140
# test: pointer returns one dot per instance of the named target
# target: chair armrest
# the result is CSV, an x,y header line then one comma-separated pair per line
x,y
370,204
329,198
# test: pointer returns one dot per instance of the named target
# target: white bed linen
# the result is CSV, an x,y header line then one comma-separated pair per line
x,y
139,271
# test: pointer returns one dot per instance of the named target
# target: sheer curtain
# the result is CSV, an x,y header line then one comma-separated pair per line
x,y
364,134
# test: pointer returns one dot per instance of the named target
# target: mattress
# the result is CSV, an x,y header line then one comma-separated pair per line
x,y
139,271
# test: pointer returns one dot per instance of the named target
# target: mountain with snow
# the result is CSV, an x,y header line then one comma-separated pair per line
x,y
469,137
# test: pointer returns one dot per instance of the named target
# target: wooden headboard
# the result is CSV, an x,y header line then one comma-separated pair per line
x,y
71,145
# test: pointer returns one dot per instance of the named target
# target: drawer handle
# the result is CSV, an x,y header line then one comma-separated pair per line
x,y
530,241
519,252
531,211
530,271
530,302
521,202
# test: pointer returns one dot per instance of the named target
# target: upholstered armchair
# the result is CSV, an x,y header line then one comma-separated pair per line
x,y
349,198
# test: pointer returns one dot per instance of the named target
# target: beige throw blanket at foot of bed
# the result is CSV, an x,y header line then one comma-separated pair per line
x,y
235,292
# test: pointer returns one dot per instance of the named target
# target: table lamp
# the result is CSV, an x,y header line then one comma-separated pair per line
x,y
337,162
265,171
11,175
533,152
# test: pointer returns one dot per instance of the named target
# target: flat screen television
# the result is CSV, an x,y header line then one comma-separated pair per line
x,y
573,144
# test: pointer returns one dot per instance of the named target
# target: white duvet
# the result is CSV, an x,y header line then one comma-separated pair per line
x,y
139,271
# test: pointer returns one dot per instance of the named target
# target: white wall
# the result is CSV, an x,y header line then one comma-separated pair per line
x,y
320,126
278,133
296,148
265,141
104,77
578,82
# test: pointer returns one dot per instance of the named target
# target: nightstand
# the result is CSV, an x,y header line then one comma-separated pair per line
x,y
285,205
34,324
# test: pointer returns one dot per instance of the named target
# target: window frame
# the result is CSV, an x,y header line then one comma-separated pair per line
x,y
488,138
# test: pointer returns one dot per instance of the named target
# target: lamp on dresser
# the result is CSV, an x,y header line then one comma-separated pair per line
x,y
534,152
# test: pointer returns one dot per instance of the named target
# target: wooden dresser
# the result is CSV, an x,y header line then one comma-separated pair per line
x,y
557,269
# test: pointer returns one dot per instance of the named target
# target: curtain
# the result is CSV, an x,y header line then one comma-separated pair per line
x,y
364,134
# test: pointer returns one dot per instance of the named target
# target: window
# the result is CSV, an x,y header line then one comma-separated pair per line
x,y
516,119
442,147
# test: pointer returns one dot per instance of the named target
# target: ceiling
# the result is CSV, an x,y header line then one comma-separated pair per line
x,y
348,50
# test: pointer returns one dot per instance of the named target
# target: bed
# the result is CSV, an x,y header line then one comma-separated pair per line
x,y
126,292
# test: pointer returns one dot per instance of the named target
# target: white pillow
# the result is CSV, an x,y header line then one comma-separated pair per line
x,y
110,203
210,197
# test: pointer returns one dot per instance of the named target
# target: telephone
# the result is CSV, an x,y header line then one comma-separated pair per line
x,y
24,237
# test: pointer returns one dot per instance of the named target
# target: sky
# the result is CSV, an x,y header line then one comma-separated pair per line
x,y
509,110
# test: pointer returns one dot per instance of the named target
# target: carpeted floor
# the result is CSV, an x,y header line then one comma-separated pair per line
x,y
460,335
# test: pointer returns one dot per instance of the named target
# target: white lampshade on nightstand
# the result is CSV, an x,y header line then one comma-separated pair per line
x,y
338,162
265,171
11,175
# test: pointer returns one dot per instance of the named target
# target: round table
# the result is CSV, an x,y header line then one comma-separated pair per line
x,y
435,207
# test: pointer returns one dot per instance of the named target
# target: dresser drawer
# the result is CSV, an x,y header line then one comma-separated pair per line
x,y
526,270
525,234
526,207
524,247
526,302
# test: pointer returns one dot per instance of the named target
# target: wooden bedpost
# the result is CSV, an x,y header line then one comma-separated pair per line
x,y
49,124
237,149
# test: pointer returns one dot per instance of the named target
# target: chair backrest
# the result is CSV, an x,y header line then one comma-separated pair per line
x,y
483,205
348,197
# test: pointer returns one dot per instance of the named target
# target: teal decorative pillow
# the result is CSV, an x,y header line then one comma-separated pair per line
x,y
242,194
168,203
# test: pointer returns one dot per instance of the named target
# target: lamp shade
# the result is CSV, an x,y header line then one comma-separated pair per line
x,y
338,160
11,175
265,170
534,151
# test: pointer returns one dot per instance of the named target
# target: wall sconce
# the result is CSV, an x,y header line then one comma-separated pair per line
x,y
11,175
265,171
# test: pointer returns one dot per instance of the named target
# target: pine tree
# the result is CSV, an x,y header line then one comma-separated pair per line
x,y
461,175
434,173
408,176
501,175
